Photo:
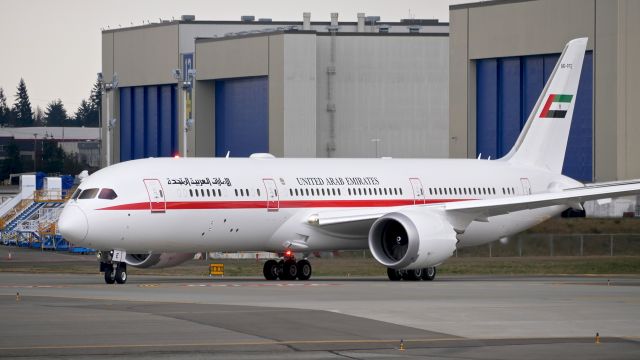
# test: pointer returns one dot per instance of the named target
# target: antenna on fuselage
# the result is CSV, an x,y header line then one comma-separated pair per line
x,y
479,156
228,153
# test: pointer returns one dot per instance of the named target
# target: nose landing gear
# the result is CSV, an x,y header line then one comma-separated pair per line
x,y
114,272
287,268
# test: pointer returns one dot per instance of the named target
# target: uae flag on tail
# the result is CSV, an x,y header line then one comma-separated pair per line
x,y
556,106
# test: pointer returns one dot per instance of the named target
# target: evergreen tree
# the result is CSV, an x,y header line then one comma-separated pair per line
x,y
4,109
55,114
52,157
83,114
95,101
12,163
39,119
22,107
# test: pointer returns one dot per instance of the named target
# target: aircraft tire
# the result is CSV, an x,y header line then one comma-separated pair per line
x,y
109,276
429,273
393,274
412,275
270,270
304,269
121,274
289,270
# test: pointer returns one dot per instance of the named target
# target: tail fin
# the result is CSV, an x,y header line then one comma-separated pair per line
x,y
543,141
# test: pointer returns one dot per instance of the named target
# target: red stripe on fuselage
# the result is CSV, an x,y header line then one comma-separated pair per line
x,y
284,204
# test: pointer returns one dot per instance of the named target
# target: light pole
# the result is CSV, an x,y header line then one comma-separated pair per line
x,y
187,84
108,87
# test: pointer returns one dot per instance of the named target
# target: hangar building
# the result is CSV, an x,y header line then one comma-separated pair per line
x,y
295,89
503,51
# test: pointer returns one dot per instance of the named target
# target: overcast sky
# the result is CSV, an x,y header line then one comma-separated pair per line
x,y
55,44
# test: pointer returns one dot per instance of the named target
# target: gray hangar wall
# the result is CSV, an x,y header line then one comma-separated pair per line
x,y
289,92
501,54
339,96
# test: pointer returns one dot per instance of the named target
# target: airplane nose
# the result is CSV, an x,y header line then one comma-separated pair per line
x,y
73,224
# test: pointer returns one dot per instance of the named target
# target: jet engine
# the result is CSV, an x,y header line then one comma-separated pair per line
x,y
412,239
161,260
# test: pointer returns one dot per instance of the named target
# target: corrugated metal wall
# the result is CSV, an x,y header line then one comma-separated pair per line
x,y
507,90
242,116
148,122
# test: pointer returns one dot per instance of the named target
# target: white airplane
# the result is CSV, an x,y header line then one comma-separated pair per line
x,y
412,214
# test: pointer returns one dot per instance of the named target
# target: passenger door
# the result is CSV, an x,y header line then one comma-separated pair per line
x,y
157,202
273,199
418,191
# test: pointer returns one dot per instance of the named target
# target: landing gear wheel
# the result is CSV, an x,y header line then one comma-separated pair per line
x,y
109,276
304,269
429,273
270,270
121,273
393,274
289,270
412,275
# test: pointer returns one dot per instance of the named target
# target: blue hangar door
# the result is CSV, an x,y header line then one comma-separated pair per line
x,y
148,122
508,88
242,116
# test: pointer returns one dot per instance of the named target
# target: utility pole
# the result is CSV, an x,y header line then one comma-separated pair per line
x,y
35,151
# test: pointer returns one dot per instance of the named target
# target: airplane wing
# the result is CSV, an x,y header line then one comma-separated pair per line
x,y
462,213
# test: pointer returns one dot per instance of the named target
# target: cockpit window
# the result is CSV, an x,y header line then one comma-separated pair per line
x,y
107,194
76,194
88,194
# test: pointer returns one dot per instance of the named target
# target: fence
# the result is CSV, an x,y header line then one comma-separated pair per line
x,y
558,245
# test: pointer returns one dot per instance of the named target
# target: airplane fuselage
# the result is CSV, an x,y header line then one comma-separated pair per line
x,y
263,204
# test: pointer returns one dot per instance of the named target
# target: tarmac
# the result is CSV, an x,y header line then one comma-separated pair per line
x,y
460,317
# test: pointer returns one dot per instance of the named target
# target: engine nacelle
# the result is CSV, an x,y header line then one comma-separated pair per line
x,y
161,260
412,239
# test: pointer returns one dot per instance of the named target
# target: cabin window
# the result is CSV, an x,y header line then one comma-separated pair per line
x,y
236,191
88,193
258,192
339,192
107,194
219,192
359,191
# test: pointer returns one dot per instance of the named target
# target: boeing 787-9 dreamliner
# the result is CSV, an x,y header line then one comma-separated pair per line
x,y
411,213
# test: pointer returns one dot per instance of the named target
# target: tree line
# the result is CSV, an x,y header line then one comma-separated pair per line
x,y
21,113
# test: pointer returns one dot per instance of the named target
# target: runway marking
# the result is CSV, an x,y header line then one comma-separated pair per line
x,y
306,342
260,285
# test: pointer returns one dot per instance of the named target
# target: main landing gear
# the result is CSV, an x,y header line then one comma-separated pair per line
x,y
427,274
114,272
287,268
